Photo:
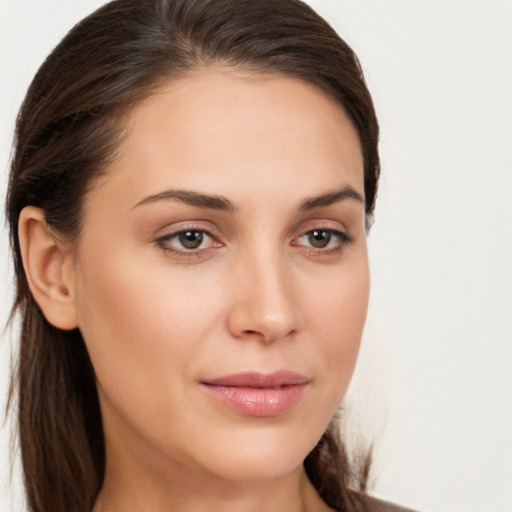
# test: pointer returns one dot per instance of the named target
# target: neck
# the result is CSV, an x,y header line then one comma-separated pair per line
x,y
293,493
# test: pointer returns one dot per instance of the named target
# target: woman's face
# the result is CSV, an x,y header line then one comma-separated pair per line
x,y
221,280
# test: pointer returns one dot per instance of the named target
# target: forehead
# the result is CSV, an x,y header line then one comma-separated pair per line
x,y
217,128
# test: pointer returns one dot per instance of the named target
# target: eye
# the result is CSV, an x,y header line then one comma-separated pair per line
x,y
190,239
186,241
323,239
319,238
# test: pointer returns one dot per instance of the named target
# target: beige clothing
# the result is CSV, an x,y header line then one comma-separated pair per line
x,y
377,505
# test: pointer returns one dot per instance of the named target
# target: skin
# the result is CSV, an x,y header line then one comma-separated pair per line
x,y
256,295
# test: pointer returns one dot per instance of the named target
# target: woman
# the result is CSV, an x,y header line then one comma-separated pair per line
x,y
191,189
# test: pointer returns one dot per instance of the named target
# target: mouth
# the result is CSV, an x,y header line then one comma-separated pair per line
x,y
256,394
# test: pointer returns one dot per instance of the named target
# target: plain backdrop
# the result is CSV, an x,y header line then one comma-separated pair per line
x,y
433,388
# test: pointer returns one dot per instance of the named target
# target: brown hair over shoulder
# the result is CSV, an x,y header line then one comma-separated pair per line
x,y
67,132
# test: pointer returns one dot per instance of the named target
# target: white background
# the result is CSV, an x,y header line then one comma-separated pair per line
x,y
434,384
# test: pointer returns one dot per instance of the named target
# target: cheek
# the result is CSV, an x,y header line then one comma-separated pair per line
x,y
142,326
338,314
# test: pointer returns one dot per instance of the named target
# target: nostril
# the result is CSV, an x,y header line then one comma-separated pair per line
x,y
266,335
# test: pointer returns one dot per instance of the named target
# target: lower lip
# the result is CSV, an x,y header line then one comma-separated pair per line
x,y
258,401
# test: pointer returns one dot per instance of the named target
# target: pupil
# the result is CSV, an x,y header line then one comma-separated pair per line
x,y
319,238
191,239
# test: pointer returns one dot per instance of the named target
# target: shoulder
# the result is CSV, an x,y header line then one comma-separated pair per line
x,y
370,504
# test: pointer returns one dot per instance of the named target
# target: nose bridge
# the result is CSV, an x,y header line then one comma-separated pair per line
x,y
264,301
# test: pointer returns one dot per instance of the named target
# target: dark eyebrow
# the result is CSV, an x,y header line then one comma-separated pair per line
x,y
346,192
191,198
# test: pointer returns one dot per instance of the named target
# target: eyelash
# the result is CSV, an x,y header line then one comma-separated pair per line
x,y
164,243
343,239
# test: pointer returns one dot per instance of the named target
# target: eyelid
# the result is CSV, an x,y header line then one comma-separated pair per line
x,y
188,225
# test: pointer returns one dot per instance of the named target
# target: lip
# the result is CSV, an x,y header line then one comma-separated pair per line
x,y
257,394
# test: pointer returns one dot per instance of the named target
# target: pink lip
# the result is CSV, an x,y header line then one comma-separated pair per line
x,y
255,394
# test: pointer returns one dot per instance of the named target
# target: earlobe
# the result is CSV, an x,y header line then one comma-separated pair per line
x,y
47,265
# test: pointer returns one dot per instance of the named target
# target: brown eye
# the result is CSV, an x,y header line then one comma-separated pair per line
x,y
187,241
191,239
319,238
324,241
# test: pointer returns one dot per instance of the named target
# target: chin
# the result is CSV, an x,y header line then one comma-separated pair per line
x,y
258,468
260,455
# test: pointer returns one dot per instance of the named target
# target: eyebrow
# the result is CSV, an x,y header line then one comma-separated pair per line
x,y
192,199
220,203
323,200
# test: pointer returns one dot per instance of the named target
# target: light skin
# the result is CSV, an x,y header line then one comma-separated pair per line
x,y
265,174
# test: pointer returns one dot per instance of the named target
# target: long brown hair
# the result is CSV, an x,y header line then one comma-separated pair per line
x,y
67,132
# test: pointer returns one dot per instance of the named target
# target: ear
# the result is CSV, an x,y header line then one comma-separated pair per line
x,y
48,268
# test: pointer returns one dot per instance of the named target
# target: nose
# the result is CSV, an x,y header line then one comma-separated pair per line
x,y
264,305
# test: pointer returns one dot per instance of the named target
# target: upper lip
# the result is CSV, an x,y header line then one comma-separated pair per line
x,y
259,380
